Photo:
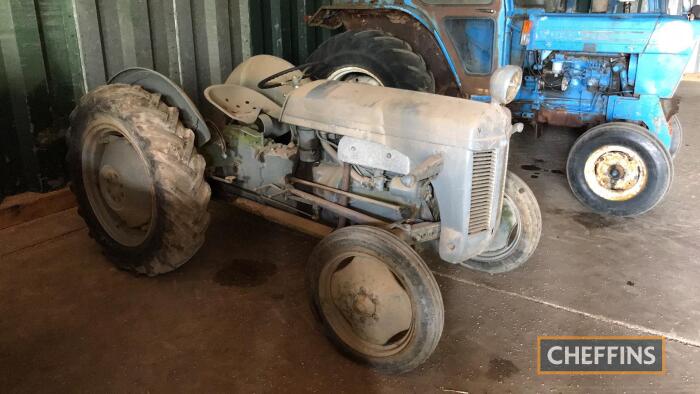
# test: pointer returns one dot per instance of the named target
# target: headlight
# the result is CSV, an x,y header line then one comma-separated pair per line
x,y
505,84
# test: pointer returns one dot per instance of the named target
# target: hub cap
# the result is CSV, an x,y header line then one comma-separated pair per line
x,y
615,173
366,305
118,185
355,75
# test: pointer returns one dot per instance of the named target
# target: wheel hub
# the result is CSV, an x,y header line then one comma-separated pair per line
x,y
118,184
355,75
112,187
124,182
371,300
364,305
615,173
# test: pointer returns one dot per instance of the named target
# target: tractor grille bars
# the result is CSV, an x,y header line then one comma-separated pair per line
x,y
482,190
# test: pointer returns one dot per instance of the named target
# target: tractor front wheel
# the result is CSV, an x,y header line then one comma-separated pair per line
x,y
619,169
378,301
138,179
518,232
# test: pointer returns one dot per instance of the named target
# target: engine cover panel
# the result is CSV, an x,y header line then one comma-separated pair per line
x,y
371,154
374,113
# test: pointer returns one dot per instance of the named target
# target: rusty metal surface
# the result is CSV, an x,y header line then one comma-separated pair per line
x,y
561,117
402,26
421,40
278,216
471,84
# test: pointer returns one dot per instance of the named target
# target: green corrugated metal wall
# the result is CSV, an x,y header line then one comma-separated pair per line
x,y
52,51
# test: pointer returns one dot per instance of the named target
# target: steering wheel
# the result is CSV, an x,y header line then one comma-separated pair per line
x,y
266,83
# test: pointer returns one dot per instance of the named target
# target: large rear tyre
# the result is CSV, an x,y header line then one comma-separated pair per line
x,y
138,179
518,232
619,169
376,298
372,57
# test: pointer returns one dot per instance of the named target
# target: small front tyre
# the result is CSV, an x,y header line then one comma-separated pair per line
x,y
138,179
518,232
376,298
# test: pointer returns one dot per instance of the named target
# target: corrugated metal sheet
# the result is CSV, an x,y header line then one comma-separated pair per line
x,y
52,51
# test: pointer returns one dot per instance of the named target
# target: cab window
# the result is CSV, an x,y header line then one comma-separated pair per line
x,y
473,38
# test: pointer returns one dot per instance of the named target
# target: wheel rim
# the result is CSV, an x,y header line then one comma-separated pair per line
x,y
615,173
355,75
508,233
118,184
676,137
366,304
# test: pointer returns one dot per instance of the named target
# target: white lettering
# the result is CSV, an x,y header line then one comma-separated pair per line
x,y
612,353
637,354
586,355
568,355
648,351
622,355
598,353
550,354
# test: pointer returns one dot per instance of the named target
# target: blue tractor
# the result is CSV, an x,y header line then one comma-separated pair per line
x,y
611,67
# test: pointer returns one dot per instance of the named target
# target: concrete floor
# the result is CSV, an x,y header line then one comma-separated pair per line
x,y
236,319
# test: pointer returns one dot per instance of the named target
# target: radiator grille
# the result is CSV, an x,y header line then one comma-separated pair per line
x,y
482,191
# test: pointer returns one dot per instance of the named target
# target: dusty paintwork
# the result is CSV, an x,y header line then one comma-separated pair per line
x,y
415,137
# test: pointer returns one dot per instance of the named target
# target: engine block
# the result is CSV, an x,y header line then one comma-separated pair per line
x,y
570,89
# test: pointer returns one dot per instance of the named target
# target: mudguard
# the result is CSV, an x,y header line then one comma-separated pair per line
x,y
171,93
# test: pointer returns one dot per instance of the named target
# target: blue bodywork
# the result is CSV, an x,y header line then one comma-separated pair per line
x,y
656,50
580,68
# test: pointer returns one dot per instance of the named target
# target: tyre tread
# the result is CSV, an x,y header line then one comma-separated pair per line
x,y
177,168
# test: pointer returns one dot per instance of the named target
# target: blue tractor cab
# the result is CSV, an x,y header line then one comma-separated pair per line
x,y
610,67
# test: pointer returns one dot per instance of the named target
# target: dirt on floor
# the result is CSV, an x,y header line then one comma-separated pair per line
x,y
236,318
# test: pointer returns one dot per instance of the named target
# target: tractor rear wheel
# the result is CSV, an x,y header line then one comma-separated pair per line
x,y
372,57
619,169
138,179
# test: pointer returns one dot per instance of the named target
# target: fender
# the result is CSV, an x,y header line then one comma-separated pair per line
x,y
171,93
